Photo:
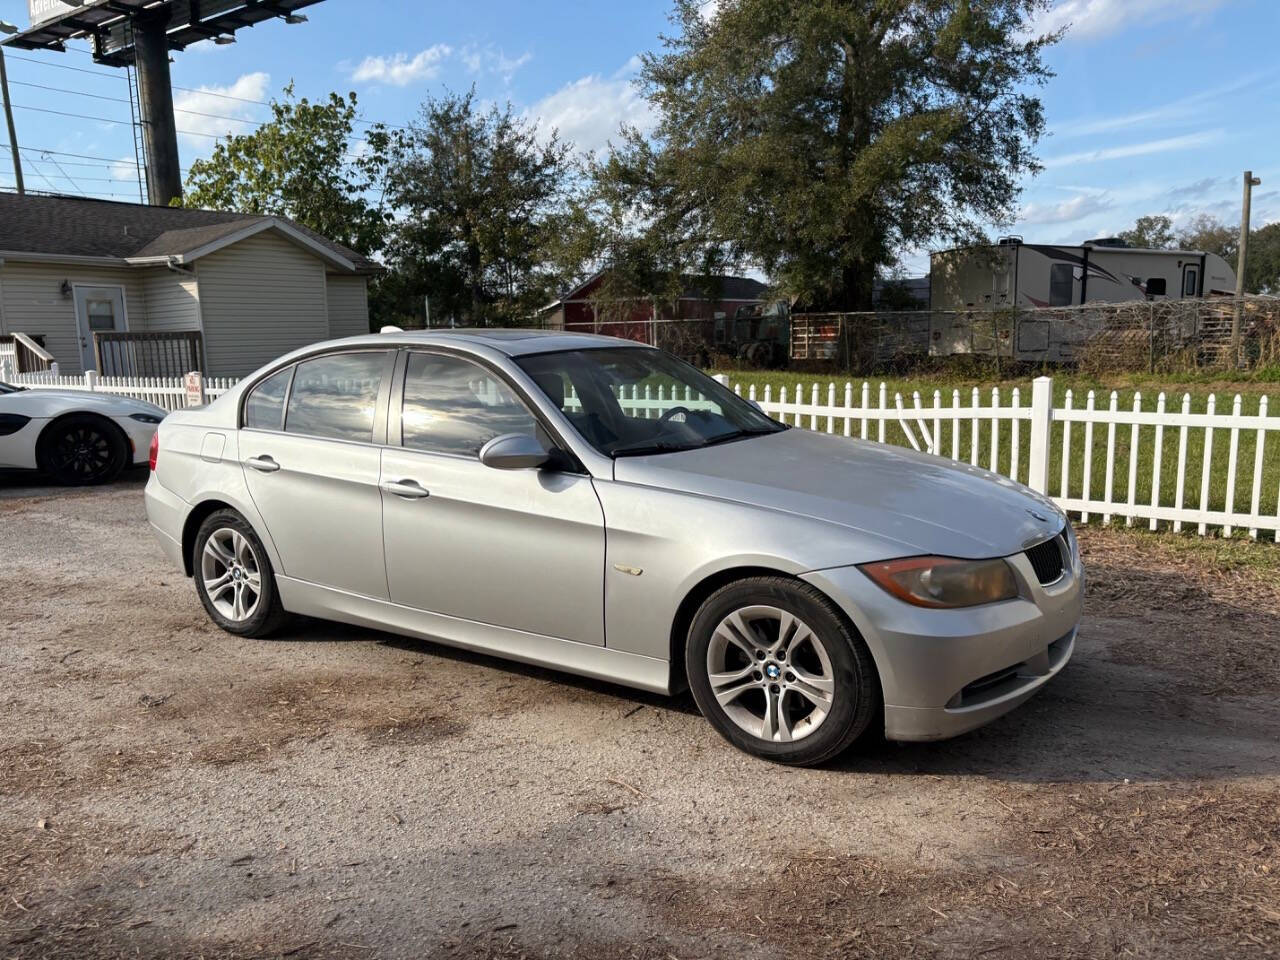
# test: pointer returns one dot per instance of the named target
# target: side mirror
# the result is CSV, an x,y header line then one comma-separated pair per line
x,y
756,404
514,451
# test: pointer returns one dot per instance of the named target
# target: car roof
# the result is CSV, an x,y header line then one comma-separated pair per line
x,y
513,342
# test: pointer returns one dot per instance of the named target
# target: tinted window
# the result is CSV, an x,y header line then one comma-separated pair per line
x,y
264,409
336,396
455,406
1189,284
1060,284
1155,287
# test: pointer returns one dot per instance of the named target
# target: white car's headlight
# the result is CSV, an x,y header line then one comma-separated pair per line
x,y
944,581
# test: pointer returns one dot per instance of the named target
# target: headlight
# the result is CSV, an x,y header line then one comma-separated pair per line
x,y
145,417
944,581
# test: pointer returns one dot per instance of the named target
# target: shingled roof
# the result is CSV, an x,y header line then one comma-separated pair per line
x,y
80,227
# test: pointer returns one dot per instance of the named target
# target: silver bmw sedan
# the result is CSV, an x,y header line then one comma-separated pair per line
x,y
598,506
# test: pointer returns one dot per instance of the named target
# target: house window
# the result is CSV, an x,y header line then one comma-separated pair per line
x,y
336,396
1061,284
1156,287
1190,282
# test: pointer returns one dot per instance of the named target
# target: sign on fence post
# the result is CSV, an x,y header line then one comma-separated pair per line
x,y
1041,427
193,382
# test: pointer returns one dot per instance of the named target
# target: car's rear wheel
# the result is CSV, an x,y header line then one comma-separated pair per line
x,y
234,577
82,449
779,672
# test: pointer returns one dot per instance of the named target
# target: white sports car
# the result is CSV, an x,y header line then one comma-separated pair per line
x,y
75,437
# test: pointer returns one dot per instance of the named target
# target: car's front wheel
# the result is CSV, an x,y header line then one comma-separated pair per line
x,y
234,577
778,672
82,449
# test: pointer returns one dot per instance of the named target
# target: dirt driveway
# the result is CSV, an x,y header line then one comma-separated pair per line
x,y
167,790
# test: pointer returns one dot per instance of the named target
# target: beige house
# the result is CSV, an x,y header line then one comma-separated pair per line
x,y
128,289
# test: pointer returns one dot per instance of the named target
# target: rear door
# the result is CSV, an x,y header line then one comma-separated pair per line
x,y
514,548
311,454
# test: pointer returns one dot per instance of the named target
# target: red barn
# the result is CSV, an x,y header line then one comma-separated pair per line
x,y
650,320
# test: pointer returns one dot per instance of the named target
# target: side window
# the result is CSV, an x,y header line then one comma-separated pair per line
x,y
1190,282
1061,284
336,396
264,410
454,406
1156,287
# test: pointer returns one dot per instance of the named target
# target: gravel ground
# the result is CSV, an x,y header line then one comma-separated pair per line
x,y
167,790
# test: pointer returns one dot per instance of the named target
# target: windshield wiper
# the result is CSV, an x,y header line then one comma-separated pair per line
x,y
738,435
642,447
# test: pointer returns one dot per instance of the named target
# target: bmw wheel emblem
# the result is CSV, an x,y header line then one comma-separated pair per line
x,y
773,671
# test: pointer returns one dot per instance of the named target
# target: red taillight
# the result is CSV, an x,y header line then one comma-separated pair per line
x,y
154,452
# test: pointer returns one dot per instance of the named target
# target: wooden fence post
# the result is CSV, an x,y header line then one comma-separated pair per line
x,y
1041,430
91,380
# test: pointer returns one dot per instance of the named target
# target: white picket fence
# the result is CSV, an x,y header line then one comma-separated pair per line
x,y
1165,464
167,392
1162,464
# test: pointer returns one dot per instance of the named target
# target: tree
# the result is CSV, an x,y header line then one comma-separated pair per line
x,y
475,193
1262,273
308,164
813,138
1153,232
1206,232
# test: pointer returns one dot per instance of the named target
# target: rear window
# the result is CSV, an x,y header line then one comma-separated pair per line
x,y
336,396
264,410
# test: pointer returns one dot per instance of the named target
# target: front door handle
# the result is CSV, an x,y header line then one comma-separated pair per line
x,y
263,464
405,489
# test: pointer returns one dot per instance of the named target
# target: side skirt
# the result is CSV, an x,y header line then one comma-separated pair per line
x,y
600,663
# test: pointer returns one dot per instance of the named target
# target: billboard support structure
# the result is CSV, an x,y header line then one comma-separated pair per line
x,y
140,34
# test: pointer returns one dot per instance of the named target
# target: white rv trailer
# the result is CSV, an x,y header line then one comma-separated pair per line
x,y
1024,276
1029,275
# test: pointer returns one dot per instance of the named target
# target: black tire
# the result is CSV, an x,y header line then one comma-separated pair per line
x,y
267,614
82,449
855,698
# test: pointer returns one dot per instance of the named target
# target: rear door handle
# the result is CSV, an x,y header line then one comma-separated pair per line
x,y
263,464
406,489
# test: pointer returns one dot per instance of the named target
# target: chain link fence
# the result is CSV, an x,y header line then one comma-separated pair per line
x,y
1159,335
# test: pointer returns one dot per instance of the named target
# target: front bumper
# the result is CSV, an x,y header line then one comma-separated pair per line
x,y
944,672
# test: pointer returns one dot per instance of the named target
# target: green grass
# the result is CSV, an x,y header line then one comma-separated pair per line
x,y
1199,387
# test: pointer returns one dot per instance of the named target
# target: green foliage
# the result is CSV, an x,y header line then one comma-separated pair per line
x,y
477,195
306,163
1151,233
814,138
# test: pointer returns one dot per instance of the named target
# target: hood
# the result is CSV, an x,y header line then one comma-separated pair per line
x,y
107,404
927,504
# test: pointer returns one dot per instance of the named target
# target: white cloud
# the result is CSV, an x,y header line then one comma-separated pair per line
x,y
199,113
1182,111
1166,145
589,111
492,60
708,9
400,69
1097,18
1085,203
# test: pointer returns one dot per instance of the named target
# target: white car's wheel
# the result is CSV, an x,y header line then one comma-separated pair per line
x,y
82,449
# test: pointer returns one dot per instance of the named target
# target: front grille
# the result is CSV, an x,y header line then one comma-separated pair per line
x,y
1046,559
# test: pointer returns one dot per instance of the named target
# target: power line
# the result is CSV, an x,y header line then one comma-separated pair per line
x,y
62,66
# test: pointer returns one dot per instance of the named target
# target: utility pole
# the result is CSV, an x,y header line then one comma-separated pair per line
x,y
8,113
1250,181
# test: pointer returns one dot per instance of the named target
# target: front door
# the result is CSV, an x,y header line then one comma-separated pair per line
x,y
98,310
513,548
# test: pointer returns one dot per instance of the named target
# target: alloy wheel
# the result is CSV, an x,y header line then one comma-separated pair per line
x,y
770,673
232,574
82,453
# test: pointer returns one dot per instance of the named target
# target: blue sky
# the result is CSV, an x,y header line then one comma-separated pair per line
x,y
1157,106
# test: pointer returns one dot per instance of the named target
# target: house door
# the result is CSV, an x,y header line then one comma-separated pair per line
x,y
98,310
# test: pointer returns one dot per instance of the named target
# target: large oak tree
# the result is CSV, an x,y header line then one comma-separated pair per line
x,y
815,139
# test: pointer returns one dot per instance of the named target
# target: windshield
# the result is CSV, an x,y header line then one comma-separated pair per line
x,y
630,401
